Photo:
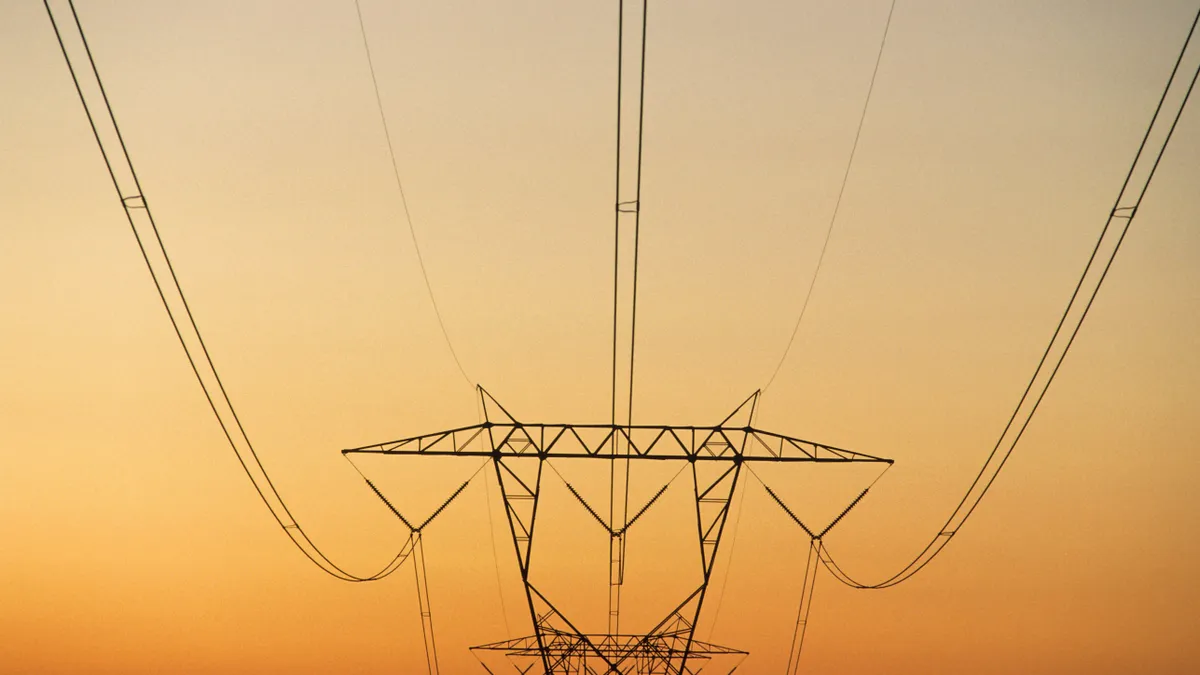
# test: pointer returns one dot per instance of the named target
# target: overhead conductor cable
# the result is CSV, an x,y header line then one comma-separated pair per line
x,y
1108,244
120,168
412,232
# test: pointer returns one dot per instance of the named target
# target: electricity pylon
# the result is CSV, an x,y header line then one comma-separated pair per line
x,y
518,453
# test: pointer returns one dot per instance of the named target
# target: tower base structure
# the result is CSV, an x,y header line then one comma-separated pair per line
x,y
596,654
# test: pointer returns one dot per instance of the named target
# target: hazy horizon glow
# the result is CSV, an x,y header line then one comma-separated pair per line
x,y
997,138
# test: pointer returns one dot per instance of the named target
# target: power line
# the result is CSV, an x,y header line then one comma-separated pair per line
x,y
637,215
495,555
1096,270
812,282
617,209
837,204
737,522
632,207
811,567
624,207
794,651
482,417
424,606
417,546
137,210
404,200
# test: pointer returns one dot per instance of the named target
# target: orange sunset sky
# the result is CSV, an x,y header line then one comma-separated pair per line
x,y
998,135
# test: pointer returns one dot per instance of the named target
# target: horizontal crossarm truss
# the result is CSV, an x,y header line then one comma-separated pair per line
x,y
600,441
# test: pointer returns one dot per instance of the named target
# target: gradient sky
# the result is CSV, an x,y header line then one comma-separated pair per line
x,y
997,138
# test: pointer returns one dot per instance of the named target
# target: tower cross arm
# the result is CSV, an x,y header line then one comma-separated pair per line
x,y
607,441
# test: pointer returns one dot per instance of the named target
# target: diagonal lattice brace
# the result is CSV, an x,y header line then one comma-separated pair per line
x,y
552,626
716,455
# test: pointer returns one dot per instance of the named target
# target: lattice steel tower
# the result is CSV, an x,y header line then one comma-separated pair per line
x,y
519,454
715,457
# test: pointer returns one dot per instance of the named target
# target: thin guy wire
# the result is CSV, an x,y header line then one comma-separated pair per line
x,y
729,561
428,608
487,486
787,670
805,605
423,607
288,528
404,200
939,541
837,204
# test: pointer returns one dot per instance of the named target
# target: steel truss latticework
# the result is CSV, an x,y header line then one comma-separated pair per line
x,y
715,457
